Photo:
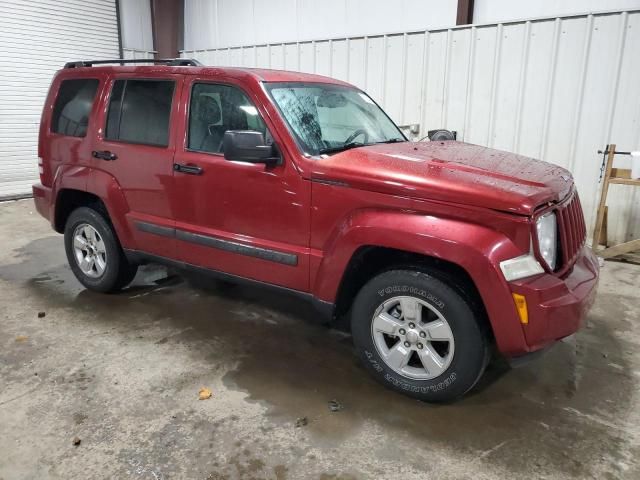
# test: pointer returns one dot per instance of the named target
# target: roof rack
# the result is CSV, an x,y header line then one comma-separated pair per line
x,y
171,62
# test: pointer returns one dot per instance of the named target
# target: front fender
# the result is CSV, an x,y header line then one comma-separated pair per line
x,y
475,248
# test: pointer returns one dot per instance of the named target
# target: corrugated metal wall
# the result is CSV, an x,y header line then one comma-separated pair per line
x,y
136,29
492,11
37,38
557,89
135,53
228,23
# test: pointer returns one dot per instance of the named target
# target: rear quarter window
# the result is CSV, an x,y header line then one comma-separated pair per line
x,y
73,106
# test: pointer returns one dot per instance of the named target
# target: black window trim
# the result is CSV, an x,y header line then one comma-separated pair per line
x,y
126,79
188,113
50,131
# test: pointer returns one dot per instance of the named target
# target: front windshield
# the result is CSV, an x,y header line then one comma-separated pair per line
x,y
327,118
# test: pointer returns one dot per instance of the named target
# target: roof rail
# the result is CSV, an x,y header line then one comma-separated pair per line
x,y
172,62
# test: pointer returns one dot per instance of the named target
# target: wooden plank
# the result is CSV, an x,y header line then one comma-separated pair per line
x,y
625,181
605,223
620,173
619,249
629,257
603,197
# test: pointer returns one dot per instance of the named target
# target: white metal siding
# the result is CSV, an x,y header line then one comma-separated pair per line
x,y
491,11
557,89
135,53
136,29
135,24
37,38
229,23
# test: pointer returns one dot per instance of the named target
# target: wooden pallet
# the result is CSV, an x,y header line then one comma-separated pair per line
x,y
619,176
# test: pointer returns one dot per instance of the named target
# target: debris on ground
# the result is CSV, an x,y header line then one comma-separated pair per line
x,y
335,406
41,314
76,441
301,422
204,393
22,338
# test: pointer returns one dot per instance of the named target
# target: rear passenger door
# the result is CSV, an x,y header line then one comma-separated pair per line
x,y
135,147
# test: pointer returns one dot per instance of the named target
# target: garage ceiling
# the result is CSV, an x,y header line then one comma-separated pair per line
x,y
37,38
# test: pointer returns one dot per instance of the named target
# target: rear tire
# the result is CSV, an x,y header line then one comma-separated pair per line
x,y
417,335
94,252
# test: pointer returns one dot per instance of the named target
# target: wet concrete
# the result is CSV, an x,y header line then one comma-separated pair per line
x,y
122,373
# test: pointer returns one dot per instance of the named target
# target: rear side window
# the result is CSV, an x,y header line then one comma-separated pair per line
x,y
73,107
139,111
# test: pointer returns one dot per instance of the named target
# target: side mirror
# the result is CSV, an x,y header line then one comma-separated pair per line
x,y
249,146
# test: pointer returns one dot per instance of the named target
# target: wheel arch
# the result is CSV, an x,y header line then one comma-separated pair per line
x,y
459,251
68,199
369,261
103,193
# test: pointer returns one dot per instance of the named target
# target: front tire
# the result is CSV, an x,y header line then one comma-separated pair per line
x,y
418,335
94,253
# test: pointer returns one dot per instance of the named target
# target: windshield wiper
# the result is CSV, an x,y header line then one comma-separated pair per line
x,y
350,145
346,146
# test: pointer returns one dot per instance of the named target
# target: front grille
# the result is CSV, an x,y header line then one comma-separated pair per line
x,y
572,229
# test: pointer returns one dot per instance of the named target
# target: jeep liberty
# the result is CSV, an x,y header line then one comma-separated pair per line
x,y
439,252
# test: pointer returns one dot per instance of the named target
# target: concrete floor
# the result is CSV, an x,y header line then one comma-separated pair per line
x,y
122,373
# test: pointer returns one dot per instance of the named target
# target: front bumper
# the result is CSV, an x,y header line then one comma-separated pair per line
x,y
42,200
558,306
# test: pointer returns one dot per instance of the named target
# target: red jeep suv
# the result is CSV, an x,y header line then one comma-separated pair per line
x,y
438,251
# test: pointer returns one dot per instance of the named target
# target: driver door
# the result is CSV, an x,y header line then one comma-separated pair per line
x,y
246,219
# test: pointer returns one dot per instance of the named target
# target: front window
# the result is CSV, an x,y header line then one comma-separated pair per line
x,y
215,109
327,118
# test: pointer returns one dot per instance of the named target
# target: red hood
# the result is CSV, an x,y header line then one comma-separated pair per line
x,y
450,171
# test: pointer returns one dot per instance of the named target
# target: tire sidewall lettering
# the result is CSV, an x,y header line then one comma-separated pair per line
x,y
408,290
406,386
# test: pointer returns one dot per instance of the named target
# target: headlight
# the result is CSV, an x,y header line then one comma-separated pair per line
x,y
547,230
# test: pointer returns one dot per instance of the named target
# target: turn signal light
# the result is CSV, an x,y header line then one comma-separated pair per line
x,y
521,307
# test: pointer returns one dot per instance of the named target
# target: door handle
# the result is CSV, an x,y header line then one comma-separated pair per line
x,y
104,155
189,169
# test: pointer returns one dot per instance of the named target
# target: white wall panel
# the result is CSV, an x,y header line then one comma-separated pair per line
x,y
37,38
557,89
135,24
134,53
357,73
340,59
323,58
492,11
232,23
